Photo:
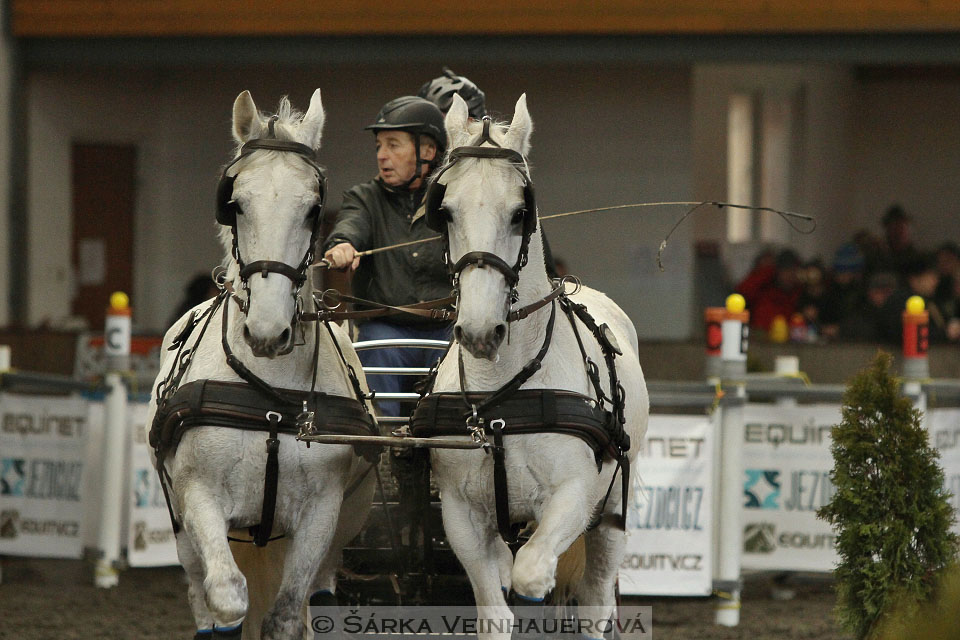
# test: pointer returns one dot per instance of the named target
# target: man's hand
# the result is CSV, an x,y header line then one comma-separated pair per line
x,y
342,256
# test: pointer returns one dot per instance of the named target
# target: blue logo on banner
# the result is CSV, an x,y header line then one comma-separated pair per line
x,y
762,489
12,476
142,489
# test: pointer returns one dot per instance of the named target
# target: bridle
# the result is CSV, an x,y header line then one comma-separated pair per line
x,y
228,209
437,218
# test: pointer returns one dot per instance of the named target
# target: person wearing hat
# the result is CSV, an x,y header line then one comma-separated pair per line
x,y
410,141
440,91
845,290
898,253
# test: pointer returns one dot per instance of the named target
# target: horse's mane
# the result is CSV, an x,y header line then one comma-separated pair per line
x,y
288,119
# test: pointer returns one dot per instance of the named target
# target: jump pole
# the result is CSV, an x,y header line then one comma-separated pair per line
x,y
727,585
116,346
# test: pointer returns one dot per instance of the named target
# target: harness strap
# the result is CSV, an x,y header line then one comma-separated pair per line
x,y
261,532
482,259
241,369
508,531
169,386
517,381
265,267
429,309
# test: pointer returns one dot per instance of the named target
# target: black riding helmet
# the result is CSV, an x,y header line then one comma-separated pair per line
x,y
418,117
440,92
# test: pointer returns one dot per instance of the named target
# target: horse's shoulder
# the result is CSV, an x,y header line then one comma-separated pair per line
x,y
606,311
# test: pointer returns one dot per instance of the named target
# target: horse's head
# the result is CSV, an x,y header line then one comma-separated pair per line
x,y
484,200
269,201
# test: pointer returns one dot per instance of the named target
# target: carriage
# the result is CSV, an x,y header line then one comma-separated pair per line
x,y
528,417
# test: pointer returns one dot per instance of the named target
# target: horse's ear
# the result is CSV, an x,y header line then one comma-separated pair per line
x,y
456,122
311,127
518,136
246,120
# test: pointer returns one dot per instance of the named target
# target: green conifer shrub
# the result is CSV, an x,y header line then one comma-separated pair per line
x,y
890,512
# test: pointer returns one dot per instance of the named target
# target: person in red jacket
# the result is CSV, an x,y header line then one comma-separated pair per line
x,y
772,288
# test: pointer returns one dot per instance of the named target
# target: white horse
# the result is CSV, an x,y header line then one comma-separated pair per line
x,y
553,479
270,197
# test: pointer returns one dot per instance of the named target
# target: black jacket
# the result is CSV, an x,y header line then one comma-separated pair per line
x,y
376,215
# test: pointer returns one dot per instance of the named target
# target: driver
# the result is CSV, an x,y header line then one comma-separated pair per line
x,y
410,141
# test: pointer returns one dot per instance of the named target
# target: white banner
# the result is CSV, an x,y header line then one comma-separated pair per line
x,y
669,550
42,467
944,428
150,539
787,462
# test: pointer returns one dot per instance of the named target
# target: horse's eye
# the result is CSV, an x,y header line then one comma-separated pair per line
x,y
445,214
518,216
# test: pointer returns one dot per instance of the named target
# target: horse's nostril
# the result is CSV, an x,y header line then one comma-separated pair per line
x,y
458,333
500,331
285,336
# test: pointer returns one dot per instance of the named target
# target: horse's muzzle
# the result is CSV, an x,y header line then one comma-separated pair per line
x,y
279,345
481,344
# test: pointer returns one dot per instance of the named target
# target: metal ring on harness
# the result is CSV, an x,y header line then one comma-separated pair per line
x,y
575,281
334,295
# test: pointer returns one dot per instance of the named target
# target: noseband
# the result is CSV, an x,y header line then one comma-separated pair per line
x,y
438,219
228,209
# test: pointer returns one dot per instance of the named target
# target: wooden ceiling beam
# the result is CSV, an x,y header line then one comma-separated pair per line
x,y
174,18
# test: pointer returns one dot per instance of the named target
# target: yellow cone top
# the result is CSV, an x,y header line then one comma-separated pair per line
x,y
736,303
915,304
119,301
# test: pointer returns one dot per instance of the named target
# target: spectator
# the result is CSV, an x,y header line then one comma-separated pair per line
x,y
813,279
898,253
948,269
921,280
862,324
772,288
845,291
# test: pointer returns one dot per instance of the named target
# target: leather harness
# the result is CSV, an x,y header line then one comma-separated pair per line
x,y
509,410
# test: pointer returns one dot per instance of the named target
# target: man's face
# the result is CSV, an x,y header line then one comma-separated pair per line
x,y
397,157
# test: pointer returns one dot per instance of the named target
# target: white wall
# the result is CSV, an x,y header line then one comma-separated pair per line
x,y
602,136
6,107
820,171
907,150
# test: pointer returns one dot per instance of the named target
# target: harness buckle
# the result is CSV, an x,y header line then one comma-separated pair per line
x,y
475,426
305,421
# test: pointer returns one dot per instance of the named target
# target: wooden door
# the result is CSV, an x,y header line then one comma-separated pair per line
x,y
104,197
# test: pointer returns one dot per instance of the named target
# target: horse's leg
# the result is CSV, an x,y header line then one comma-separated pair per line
x,y
193,565
224,585
595,594
313,534
565,516
484,556
357,505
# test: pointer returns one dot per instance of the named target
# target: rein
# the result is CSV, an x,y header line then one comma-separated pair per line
x,y
331,299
